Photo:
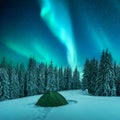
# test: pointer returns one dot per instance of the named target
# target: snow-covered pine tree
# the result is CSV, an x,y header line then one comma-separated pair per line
x,y
46,77
1,87
68,78
86,75
90,74
69,71
105,85
14,83
56,80
21,77
76,83
31,78
61,79
4,85
50,78
65,78
93,75
117,78
41,78
112,81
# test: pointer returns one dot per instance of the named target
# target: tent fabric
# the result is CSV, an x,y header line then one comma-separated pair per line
x,y
51,99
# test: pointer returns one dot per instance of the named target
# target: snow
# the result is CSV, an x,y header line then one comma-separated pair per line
x,y
80,107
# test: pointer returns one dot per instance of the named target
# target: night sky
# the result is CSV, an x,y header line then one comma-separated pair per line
x,y
64,31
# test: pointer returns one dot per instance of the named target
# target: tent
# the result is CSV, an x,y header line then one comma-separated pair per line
x,y
51,99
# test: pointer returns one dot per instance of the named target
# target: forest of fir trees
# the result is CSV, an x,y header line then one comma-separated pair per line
x,y
17,81
100,78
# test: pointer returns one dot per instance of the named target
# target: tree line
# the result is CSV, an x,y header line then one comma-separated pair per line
x,y
102,78
17,81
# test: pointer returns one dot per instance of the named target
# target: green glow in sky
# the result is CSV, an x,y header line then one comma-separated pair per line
x,y
60,27
39,50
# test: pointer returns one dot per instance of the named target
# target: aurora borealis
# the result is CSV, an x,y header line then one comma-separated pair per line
x,y
61,27
64,31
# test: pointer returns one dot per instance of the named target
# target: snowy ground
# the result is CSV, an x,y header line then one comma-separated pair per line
x,y
80,107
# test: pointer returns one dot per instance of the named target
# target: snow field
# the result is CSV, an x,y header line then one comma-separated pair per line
x,y
80,107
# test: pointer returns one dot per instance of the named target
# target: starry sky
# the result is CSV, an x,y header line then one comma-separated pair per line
x,y
64,31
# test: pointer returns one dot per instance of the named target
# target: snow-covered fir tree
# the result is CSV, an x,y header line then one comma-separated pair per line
x,y
93,75
67,78
76,83
41,78
90,75
61,79
4,85
1,87
50,78
69,81
117,78
46,77
86,75
56,80
21,77
14,83
105,85
31,78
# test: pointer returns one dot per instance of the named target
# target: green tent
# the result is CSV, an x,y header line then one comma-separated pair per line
x,y
51,99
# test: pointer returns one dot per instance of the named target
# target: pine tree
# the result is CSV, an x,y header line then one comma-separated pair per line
x,y
46,77
14,83
90,75
4,85
67,78
117,78
1,87
86,75
76,83
31,78
56,80
105,85
93,75
50,78
69,71
21,77
61,79
41,78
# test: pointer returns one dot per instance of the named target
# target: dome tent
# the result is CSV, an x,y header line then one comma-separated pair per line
x,y
51,99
